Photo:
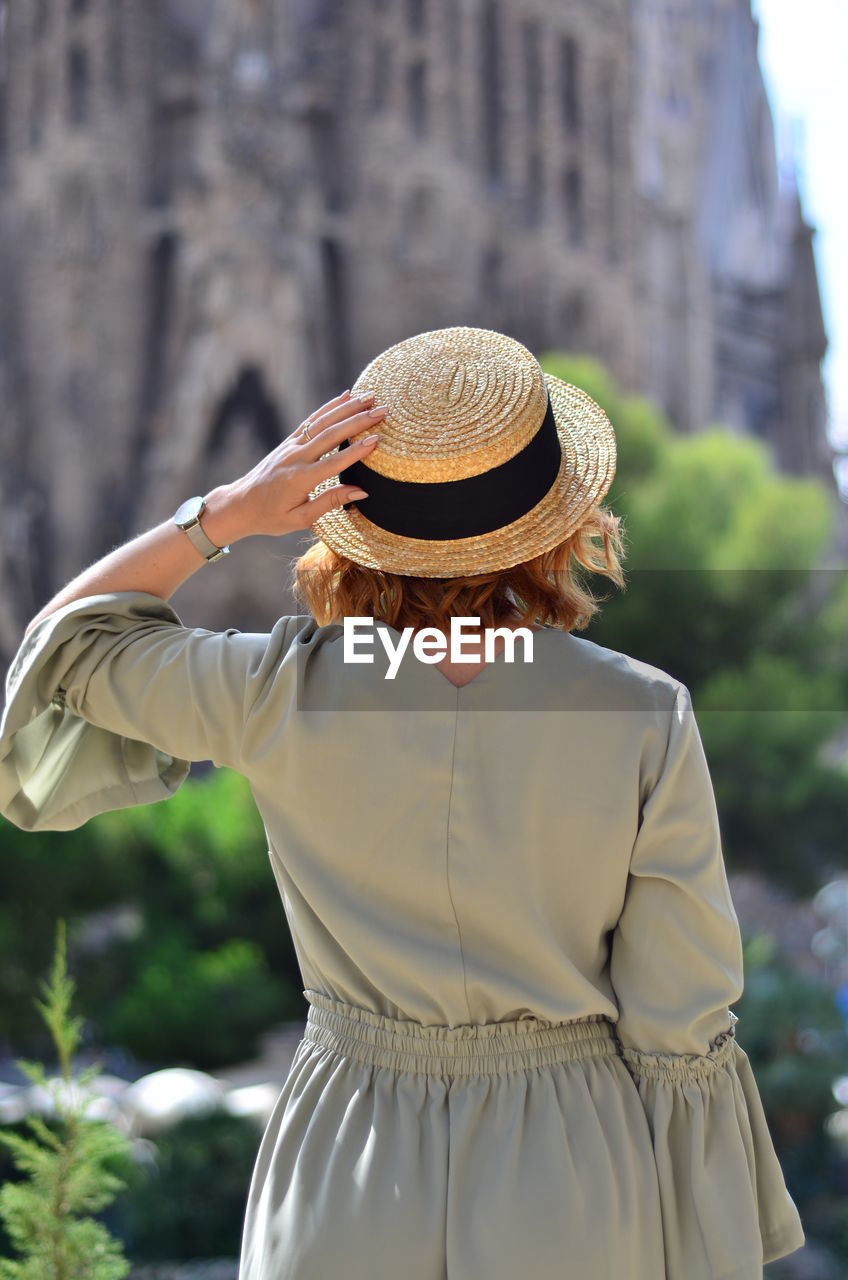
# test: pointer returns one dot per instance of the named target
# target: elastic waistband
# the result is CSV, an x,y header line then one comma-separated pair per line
x,y
469,1049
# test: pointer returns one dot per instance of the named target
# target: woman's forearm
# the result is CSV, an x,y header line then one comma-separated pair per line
x,y
158,561
272,499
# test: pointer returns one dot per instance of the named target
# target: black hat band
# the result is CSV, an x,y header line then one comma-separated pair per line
x,y
461,508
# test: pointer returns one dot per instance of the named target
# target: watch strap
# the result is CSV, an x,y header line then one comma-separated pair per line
x,y
204,545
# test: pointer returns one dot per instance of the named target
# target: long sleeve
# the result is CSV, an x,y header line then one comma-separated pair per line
x,y
676,966
110,698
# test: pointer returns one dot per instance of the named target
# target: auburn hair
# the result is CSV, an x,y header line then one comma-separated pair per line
x,y
546,589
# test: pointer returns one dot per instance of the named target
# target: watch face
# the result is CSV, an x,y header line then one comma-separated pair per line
x,y
189,510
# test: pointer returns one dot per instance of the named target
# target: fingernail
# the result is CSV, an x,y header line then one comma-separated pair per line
x,y
358,493
371,439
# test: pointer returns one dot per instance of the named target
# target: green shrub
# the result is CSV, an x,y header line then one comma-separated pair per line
x,y
190,1201
196,1007
211,961
47,1213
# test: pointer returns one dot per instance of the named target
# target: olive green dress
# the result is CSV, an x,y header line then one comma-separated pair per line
x,y
514,928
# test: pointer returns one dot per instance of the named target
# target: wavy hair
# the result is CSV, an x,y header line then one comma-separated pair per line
x,y
547,589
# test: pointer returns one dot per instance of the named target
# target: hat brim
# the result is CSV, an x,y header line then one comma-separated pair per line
x,y
585,474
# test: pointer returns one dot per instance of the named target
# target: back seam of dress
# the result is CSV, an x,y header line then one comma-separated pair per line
x,y
447,861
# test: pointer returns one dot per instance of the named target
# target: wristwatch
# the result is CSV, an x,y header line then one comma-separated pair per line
x,y
187,517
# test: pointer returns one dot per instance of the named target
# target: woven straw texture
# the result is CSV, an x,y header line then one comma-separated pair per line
x,y
461,401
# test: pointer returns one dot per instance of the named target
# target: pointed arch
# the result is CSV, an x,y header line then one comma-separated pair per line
x,y
248,399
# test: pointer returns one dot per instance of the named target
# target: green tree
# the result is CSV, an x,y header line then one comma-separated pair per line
x,y
725,591
47,1213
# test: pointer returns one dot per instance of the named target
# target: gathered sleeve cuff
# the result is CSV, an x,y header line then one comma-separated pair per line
x,y
726,1209
110,698
676,965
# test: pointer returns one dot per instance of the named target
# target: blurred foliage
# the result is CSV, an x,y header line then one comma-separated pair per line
x,y
783,811
797,1042
170,1208
724,591
212,963
173,1209
192,1007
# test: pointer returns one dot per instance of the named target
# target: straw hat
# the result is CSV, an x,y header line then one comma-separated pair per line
x,y
484,460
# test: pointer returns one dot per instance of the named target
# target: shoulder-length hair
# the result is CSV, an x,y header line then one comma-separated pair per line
x,y
546,589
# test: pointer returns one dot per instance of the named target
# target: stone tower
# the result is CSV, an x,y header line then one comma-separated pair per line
x,y
728,278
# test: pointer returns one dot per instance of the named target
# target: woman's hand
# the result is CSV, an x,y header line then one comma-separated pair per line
x,y
273,498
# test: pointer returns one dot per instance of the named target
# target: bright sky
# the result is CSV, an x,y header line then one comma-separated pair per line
x,y
804,56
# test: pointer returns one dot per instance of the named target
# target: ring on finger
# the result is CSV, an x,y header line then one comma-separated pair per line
x,y
307,424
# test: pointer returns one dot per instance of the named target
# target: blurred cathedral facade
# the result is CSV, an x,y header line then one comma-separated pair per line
x,y
212,216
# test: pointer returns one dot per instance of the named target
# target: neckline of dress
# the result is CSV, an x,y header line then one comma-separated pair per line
x,y
480,674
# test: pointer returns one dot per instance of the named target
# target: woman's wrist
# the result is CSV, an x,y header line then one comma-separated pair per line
x,y
223,519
